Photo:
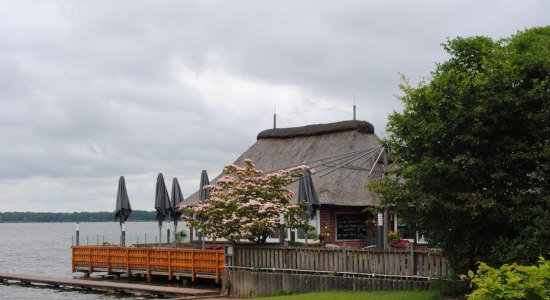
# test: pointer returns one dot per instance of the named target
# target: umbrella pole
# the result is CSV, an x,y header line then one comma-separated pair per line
x,y
160,232
191,230
168,234
176,234
123,234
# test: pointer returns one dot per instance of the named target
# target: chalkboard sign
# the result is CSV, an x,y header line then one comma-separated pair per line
x,y
350,226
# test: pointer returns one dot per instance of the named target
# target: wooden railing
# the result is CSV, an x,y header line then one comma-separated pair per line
x,y
422,264
166,261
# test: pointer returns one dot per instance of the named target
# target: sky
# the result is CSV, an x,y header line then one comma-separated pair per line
x,y
94,90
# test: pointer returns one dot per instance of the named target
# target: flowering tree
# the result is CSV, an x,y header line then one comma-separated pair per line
x,y
246,204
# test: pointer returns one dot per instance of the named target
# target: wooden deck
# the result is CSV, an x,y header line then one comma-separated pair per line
x,y
110,286
147,261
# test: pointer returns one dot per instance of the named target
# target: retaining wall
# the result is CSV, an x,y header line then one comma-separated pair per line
x,y
245,283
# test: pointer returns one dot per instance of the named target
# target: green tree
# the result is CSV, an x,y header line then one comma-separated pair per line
x,y
245,203
472,151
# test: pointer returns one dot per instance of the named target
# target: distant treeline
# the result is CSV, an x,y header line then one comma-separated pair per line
x,y
103,216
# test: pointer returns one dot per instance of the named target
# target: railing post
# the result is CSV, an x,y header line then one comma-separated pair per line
x,y
285,256
128,273
72,258
148,263
413,260
109,261
169,264
193,266
89,260
218,267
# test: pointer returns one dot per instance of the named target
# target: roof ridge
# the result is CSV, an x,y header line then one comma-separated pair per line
x,y
317,129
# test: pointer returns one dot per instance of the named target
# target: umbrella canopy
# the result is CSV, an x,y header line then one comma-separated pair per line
x,y
162,200
203,193
123,208
306,193
177,198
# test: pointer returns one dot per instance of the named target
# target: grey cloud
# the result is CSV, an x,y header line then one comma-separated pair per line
x,y
91,90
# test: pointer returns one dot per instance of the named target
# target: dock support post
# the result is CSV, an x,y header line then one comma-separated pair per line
x,y
77,234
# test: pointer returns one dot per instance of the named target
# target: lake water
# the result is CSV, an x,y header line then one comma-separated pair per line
x,y
44,249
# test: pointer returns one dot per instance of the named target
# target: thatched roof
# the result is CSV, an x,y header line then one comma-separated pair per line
x,y
348,148
316,129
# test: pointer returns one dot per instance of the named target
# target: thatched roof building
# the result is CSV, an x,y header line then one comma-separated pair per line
x,y
342,154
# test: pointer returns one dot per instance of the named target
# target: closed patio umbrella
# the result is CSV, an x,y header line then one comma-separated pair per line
x,y
203,193
162,203
177,198
203,197
307,194
123,207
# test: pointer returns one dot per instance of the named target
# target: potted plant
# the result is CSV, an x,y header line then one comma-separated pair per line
x,y
180,236
397,241
324,235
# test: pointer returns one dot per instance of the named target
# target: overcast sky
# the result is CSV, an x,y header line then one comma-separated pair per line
x,y
92,90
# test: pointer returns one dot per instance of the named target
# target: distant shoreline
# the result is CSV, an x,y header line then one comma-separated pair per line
x,y
62,217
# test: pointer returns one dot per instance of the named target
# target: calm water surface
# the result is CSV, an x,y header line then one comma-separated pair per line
x,y
45,249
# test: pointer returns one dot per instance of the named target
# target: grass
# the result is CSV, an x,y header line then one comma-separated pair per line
x,y
381,295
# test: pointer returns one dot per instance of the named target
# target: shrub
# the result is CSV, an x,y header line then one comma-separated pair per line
x,y
510,281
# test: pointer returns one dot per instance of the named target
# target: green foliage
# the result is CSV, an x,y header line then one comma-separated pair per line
x,y
510,281
283,293
454,289
180,236
472,151
295,244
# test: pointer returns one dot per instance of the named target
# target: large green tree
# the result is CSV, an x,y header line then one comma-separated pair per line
x,y
472,150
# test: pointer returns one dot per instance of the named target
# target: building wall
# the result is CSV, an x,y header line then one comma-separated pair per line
x,y
328,219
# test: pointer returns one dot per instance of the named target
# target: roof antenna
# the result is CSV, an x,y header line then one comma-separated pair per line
x,y
354,107
275,117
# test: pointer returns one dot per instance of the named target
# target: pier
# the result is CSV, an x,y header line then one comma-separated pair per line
x,y
102,285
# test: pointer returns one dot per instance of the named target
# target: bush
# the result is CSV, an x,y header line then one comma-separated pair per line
x,y
454,289
510,281
180,236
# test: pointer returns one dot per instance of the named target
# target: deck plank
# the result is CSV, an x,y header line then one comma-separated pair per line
x,y
108,285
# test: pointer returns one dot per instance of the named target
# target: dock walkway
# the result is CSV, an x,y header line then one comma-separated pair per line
x,y
188,293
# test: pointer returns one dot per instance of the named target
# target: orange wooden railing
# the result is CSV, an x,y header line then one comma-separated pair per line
x,y
169,261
